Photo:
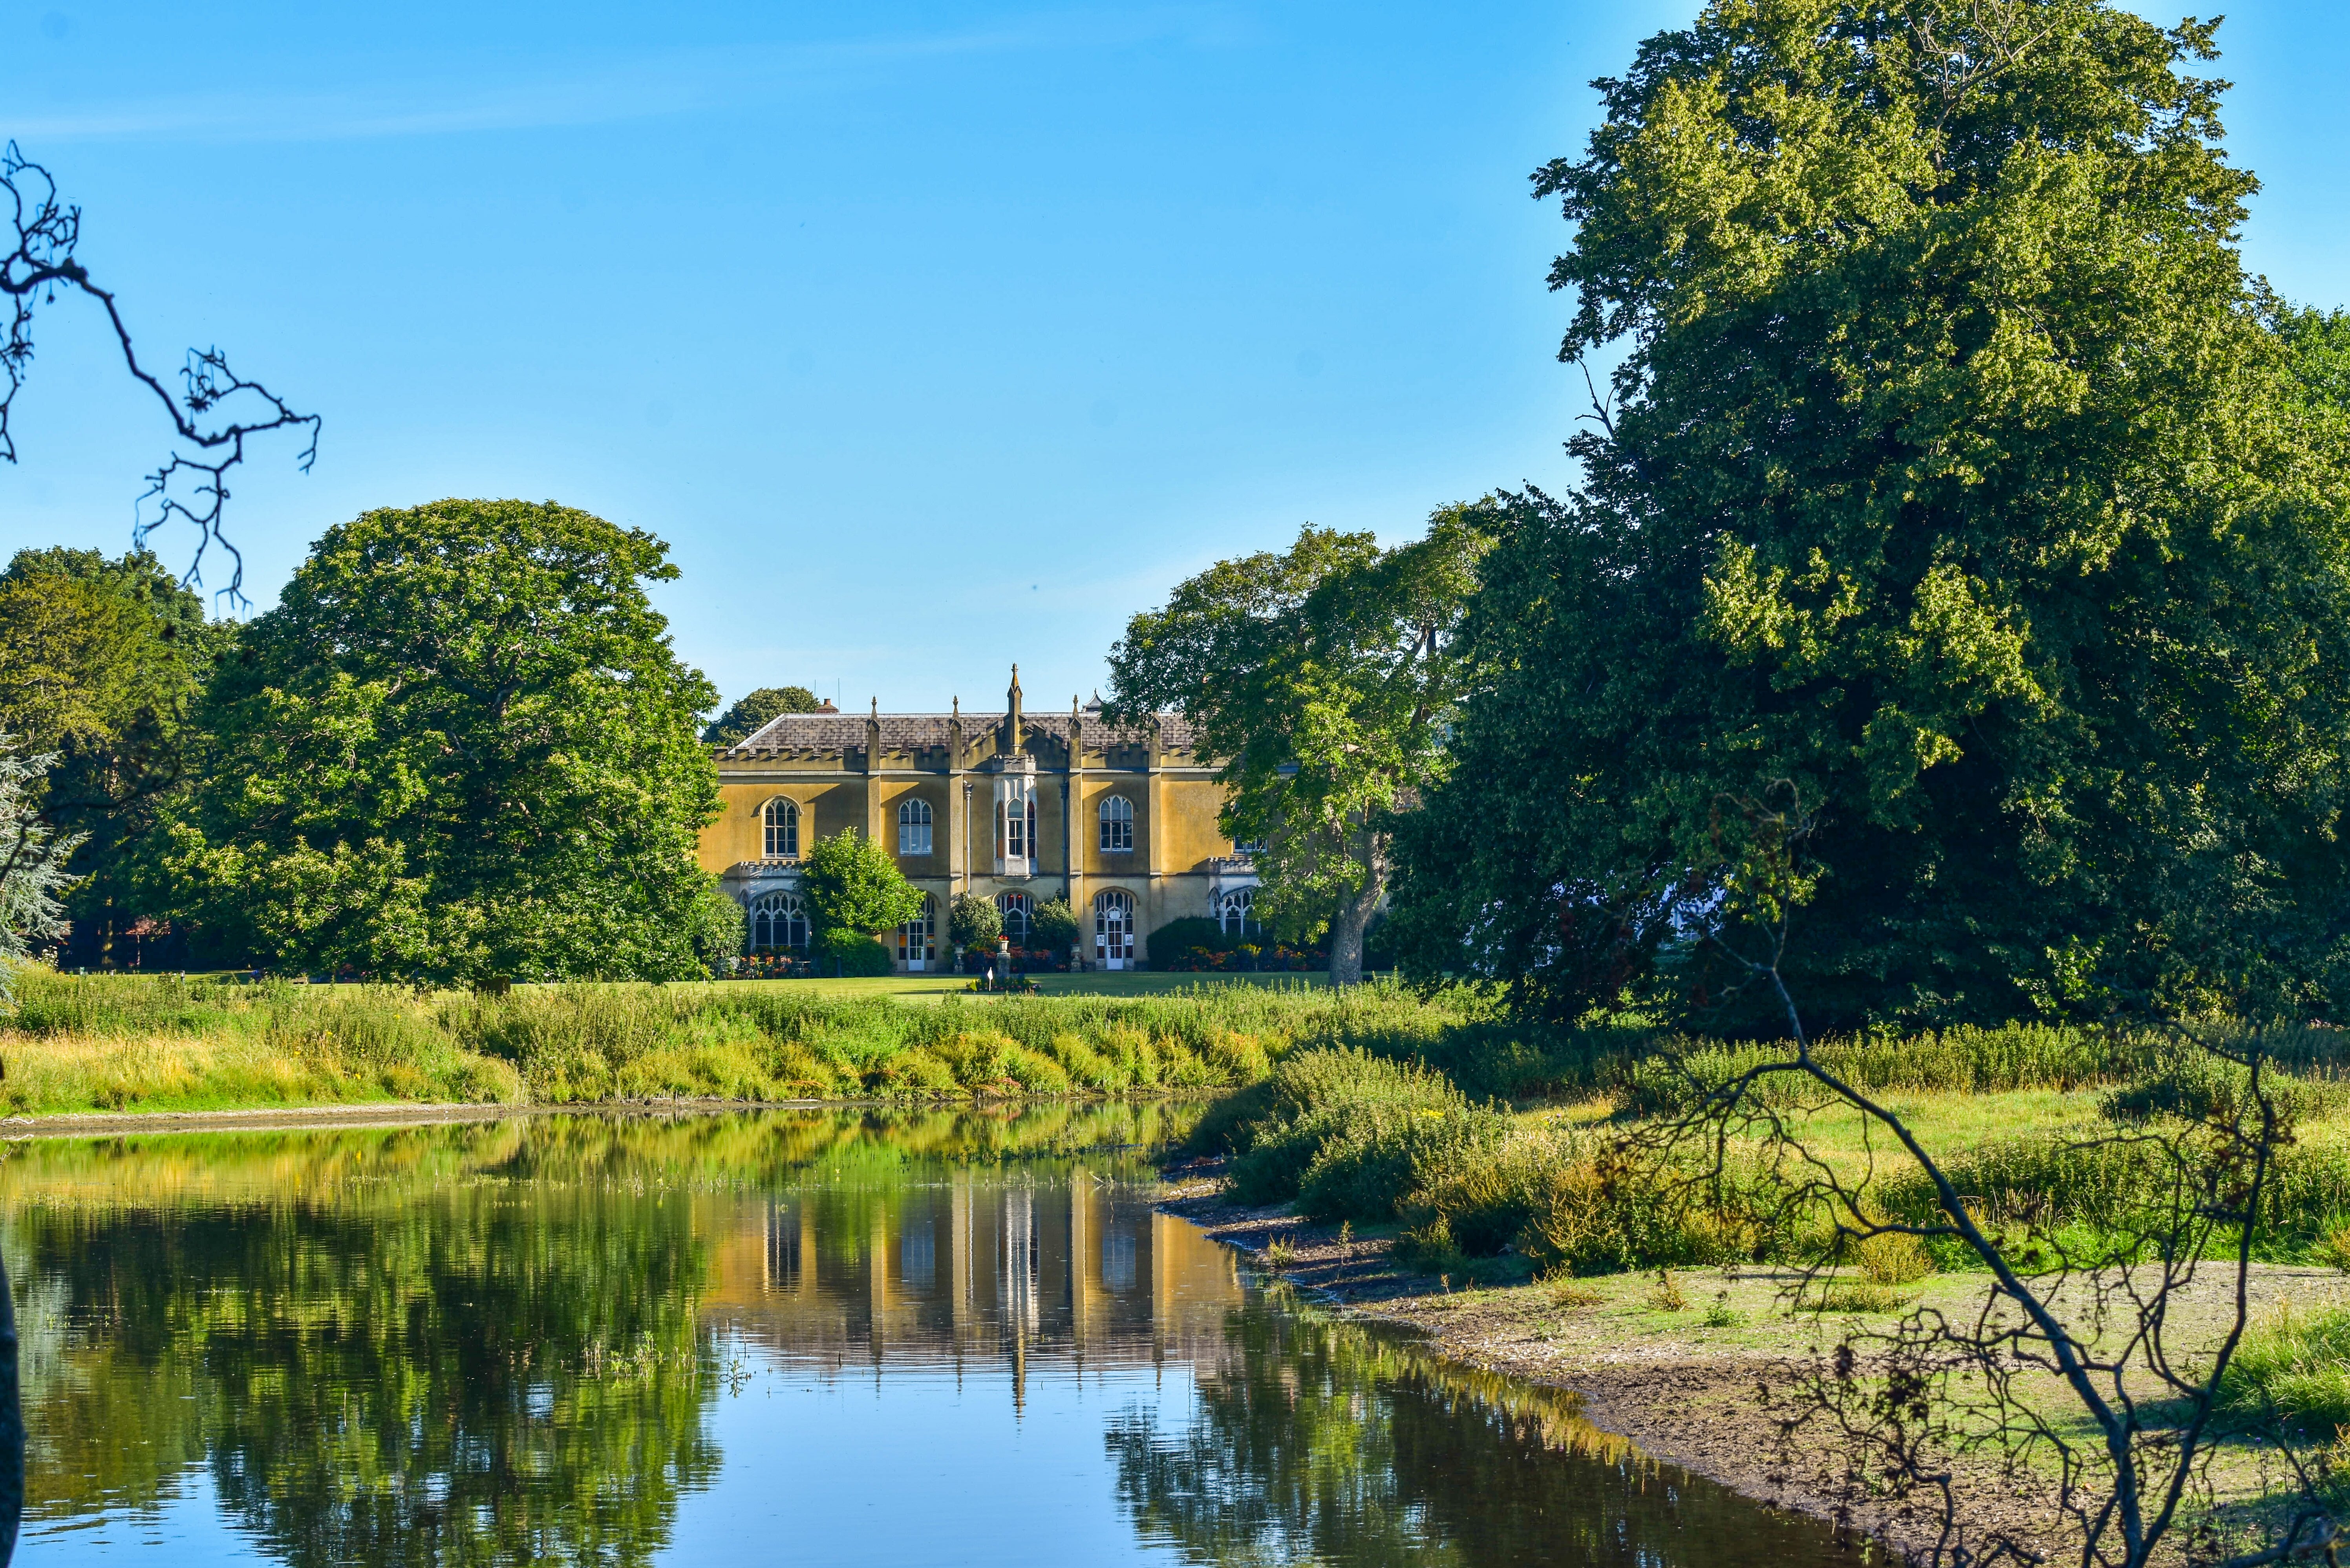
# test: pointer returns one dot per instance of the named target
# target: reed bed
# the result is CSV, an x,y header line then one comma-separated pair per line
x,y
136,1042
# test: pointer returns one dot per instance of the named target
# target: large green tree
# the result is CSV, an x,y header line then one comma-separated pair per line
x,y
100,662
1955,489
750,713
461,748
1327,678
855,892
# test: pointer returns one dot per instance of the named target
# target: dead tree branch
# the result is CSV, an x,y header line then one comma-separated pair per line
x,y
214,413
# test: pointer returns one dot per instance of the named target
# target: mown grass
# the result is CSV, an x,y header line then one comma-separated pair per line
x,y
124,1042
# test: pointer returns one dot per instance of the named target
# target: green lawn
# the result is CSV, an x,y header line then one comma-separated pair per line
x,y
932,986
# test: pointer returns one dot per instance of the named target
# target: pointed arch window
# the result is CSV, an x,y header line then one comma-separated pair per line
x,y
778,923
914,827
1017,912
1117,825
1015,827
1236,913
779,823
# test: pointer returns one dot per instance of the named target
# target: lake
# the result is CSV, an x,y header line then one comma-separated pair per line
x,y
759,1339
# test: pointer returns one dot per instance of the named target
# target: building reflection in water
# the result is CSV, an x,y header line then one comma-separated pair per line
x,y
981,1268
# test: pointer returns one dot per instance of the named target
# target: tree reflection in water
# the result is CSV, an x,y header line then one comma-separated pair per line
x,y
1314,1442
444,1345
380,1372
505,1341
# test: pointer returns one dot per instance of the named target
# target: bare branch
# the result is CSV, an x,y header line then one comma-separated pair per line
x,y
215,412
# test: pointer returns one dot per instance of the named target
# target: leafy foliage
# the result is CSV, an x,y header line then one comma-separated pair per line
x,y
841,951
460,748
749,714
1327,676
100,662
974,922
1955,481
852,884
1053,926
32,867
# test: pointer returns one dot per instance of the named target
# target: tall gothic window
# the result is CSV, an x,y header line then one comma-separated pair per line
x,y
1016,911
1235,914
914,827
1114,929
780,823
778,921
1015,832
1117,825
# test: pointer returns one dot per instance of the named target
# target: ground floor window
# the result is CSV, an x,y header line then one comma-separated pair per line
x,y
778,920
1236,914
1016,912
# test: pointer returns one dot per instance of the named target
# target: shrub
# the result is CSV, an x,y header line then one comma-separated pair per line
x,y
1373,1158
1485,1204
2197,1085
974,922
1309,1100
1191,931
717,922
1892,1258
1053,926
848,953
2333,1248
1593,1217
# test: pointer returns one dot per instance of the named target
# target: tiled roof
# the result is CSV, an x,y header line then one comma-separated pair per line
x,y
914,731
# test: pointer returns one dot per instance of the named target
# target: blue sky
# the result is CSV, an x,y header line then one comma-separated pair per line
x,y
930,336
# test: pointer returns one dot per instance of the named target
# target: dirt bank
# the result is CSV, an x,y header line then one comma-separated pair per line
x,y
1703,1385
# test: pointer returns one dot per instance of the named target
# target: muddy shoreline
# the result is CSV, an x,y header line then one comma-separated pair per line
x,y
1711,1408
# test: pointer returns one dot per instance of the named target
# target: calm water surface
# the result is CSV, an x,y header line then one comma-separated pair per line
x,y
779,1338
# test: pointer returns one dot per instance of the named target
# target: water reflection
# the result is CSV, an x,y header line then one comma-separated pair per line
x,y
738,1338
978,1268
1316,1442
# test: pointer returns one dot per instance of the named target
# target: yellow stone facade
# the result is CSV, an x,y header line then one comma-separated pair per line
x,y
1119,820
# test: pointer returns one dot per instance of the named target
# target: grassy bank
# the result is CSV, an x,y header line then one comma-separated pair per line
x,y
123,1043
1480,1188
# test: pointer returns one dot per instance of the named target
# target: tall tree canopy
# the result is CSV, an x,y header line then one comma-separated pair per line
x,y
460,747
100,662
750,713
1955,478
1326,677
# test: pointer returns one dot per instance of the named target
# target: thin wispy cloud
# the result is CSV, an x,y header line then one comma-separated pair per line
x,y
598,93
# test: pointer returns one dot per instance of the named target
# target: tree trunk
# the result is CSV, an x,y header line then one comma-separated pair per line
x,y
11,1426
1354,916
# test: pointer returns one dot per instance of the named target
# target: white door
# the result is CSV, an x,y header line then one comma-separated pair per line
x,y
916,938
1114,930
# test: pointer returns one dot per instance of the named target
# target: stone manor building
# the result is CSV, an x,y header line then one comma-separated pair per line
x,y
1019,808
